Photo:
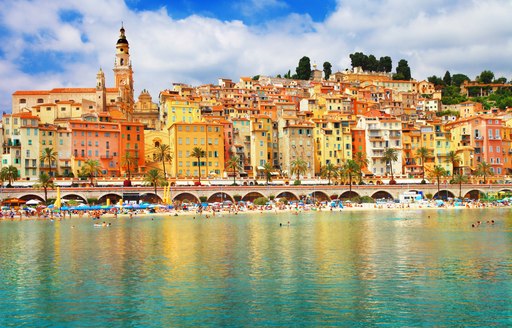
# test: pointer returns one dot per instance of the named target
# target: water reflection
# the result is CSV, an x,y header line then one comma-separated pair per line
x,y
330,268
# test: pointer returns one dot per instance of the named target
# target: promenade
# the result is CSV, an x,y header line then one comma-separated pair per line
x,y
235,193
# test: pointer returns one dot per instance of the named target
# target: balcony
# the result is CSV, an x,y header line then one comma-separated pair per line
x,y
106,156
13,143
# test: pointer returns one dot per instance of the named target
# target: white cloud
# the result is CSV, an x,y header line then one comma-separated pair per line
x,y
460,36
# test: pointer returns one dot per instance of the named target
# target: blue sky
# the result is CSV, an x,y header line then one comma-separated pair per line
x,y
239,10
47,44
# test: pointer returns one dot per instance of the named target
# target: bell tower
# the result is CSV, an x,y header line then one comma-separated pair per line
x,y
101,92
123,75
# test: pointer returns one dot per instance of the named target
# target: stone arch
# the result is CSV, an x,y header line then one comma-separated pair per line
x,y
287,195
32,196
251,196
443,194
505,192
348,194
114,198
150,197
220,197
473,194
382,194
186,197
75,197
319,196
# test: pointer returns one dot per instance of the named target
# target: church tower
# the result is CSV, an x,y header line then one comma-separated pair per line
x,y
101,92
123,75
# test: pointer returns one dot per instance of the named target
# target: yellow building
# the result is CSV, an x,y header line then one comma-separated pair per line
x,y
176,109
261,143
333,142
209,137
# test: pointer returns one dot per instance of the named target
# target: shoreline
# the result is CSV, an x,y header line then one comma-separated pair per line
x,y
221,212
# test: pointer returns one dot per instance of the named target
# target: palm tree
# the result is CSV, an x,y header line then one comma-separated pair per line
x,y
9,173
267,171
234,164
361,160
423,153
299,167
45,182
390,156
484,169
453,158
460,179
438,172
128,161
163,154
328,171
91,169
198,153
350,169
154,178
50,156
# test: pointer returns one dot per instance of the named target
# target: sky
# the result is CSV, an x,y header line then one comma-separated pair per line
x,y
46,44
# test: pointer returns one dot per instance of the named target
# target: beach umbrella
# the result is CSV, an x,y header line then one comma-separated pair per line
x,y
33,202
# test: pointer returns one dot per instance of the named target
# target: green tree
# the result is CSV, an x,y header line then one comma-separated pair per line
x,y
198,153
358,59
49,155
501,80
328,171
484,170
91,169
361,160
385,64
10,174
460,179
350,169
453,158
304,69
447,79
438,172
436,80
327,70
390,156
423,153
372,64
128,161
299,167
485,77
458,79
403,71
267,171
233,164
154,178
44,182
163,154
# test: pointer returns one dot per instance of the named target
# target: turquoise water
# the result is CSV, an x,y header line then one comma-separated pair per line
x,y
389,268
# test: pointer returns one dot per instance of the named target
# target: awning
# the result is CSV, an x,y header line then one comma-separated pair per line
x,y
261,168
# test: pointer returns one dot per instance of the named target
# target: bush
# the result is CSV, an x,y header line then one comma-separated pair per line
x,y
428,196
271,197
356,199
92,200
203,199
283,200
334,196
237,198
423,181
261,201
296,182
367,200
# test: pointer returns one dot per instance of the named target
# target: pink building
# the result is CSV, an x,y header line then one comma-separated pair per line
x,y
97,141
